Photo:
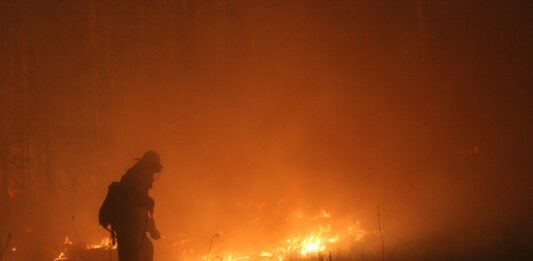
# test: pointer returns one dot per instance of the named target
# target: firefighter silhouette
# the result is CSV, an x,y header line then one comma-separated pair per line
x,y
135,217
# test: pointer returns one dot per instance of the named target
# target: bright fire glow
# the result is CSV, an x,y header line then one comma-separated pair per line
x,y
312,245
60,257
316,241
67,241
310,236
105,243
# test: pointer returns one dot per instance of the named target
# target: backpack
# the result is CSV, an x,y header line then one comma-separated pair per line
x,y
110,209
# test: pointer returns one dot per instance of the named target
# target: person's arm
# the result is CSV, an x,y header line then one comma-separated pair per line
x,y
152,230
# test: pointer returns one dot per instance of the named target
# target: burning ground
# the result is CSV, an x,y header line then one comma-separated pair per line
x,y
309,238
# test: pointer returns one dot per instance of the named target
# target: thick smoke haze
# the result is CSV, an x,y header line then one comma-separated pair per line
x,y
262,110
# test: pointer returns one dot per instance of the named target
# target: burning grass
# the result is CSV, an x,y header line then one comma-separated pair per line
x,y
319,237
308,237
104,250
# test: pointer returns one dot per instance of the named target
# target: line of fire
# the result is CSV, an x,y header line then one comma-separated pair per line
x,y
261,130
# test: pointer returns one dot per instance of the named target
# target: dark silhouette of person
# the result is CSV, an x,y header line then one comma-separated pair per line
x,y
135,217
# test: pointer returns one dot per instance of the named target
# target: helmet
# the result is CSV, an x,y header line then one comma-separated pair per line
x,y
151,157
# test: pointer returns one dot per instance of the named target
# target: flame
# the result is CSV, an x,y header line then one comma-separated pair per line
x,y
66,244
67,241
313,243
60,257
105,243
328,235
313,236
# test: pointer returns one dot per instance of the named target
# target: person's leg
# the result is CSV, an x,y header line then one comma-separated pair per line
x,y
128,244
147,250
126,248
